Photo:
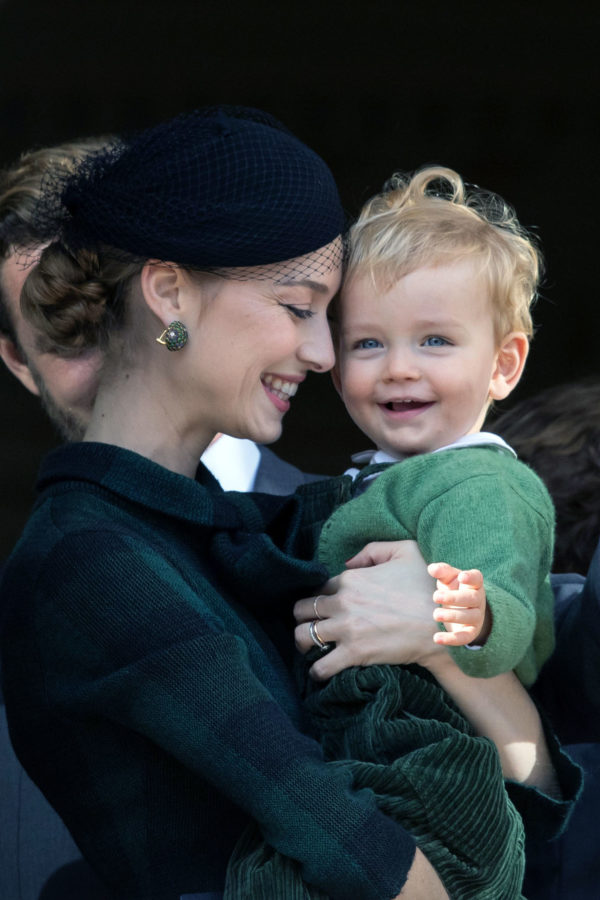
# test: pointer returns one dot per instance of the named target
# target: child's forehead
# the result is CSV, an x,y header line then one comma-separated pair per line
x,y
448,298
434,279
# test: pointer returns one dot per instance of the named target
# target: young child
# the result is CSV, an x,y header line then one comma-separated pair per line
x,y
434,325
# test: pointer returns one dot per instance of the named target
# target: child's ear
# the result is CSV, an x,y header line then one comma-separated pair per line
x,y
510,361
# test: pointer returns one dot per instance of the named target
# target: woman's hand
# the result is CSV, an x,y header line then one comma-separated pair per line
x,y
378,611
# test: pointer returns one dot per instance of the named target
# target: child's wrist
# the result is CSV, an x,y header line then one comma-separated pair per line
x,y
486,629
436,659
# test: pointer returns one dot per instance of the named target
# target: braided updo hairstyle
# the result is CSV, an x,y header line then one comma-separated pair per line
x,y
76,301
432,218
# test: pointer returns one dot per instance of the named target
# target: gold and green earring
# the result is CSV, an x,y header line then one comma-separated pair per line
x,y
175,337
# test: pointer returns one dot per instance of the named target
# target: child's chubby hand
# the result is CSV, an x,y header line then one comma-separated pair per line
x,y
463,606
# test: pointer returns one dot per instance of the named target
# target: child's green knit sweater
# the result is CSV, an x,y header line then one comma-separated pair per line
x,y
472,507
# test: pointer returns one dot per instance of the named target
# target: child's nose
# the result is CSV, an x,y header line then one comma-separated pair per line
x,y
401,366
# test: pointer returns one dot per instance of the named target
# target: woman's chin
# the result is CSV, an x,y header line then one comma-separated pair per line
x,y
268,435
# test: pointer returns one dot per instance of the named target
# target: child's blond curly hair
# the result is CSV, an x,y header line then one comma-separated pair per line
x,y
432,218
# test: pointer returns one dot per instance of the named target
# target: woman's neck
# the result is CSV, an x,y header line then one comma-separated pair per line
x,y
136,410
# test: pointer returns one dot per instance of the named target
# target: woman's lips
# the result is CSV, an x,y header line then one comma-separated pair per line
x,y
279,390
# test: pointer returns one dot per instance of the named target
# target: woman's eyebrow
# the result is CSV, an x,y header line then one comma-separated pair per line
x,y
305,282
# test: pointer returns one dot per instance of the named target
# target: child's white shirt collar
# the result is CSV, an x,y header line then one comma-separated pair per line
x,y
479,439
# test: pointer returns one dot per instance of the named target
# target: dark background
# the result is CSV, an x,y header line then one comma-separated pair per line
x,y
507,93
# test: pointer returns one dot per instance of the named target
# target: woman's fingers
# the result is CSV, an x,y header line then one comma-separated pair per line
x,y
377,614
321,606
313,634
349,651
378,552
330,664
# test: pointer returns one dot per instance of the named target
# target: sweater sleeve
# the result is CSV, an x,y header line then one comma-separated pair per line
x,y
504,527
152,652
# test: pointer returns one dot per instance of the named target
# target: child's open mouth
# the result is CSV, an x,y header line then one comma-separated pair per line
x,y
407,405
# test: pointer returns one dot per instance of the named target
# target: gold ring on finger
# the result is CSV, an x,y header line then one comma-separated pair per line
x,y
316,637
315,601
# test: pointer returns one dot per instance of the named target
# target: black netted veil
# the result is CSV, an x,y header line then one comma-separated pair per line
x,y
221,187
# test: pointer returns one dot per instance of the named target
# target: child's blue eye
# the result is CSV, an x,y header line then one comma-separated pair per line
x,y
298,311
435,341
367,344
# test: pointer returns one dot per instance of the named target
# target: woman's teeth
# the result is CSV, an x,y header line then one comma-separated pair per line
x,y
282,389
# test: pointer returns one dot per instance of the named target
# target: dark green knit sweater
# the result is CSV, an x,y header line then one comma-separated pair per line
x,y
151,708
158,717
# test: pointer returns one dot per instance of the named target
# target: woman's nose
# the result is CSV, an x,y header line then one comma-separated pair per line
x,y
316,350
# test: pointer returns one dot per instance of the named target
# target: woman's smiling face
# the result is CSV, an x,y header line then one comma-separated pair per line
x,y
254,342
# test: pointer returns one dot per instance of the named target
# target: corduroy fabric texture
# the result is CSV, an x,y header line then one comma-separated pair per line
x,y
395,730
472,507
152,709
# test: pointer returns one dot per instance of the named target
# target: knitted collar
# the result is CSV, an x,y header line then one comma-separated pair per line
x,y
262,544
139,480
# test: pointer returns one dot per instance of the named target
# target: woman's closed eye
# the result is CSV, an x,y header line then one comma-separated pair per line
x,y
436,340
298,311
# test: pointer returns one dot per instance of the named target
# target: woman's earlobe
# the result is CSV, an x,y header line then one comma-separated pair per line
x,y
510,362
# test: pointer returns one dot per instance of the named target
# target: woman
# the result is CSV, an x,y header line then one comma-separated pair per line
x,y
150,705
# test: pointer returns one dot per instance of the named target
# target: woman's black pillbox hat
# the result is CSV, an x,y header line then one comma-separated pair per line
x,y
219,187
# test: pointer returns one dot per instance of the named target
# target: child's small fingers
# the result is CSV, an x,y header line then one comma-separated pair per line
x,y
471,577
442,571
442,637
458,599
466,617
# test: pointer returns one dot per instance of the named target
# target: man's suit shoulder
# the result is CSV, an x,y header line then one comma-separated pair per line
x,y
275,476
